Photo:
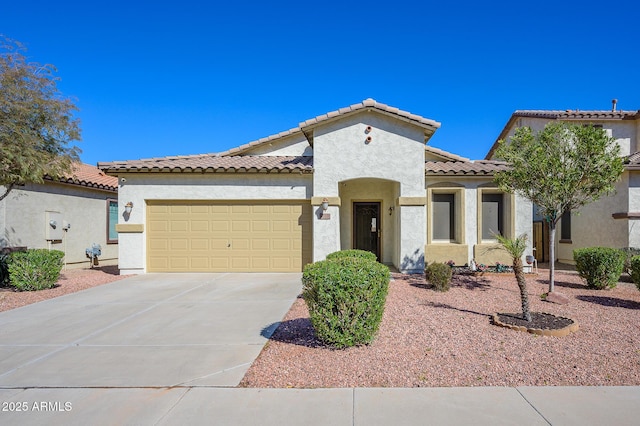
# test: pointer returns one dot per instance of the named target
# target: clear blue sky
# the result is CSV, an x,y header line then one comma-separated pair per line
x,y
159,78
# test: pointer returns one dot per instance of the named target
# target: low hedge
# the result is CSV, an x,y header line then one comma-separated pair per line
x,y
361,254
634,264
346,298
34,269
600,267
439,274
629,253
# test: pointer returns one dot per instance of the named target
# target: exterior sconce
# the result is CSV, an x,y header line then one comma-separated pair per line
x,y
128,207
368,139
325,204
390,211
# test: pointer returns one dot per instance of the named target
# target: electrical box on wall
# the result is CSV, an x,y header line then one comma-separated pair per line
x,y
53,226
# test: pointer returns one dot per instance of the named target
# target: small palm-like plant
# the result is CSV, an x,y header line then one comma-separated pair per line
x,y
516,247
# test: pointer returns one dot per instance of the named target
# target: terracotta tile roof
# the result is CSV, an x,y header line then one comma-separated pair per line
x,y
464,168
89,176
211,163
632,162
304,126
579,115
370,103
242,148
569,115
445,154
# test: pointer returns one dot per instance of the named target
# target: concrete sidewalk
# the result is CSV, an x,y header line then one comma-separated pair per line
x,y
360,406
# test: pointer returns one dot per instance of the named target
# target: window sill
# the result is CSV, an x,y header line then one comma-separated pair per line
x,y
565,242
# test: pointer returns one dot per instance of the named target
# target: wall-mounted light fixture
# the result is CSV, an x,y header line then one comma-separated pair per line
x,y
325,204
390,210
368,139
128,207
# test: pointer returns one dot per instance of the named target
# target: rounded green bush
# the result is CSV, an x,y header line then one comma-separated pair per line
x,y
34,269
634,264
346,298
600,267
361,254
439,274
629,252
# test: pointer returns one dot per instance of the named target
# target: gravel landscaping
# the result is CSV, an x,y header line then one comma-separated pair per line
x,y
429,338
70,281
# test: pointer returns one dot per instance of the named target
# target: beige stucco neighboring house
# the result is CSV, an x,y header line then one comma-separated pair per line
x,y
358,177
612,221
68,214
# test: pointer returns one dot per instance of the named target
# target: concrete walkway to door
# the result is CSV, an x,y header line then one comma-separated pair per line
x,y
154,330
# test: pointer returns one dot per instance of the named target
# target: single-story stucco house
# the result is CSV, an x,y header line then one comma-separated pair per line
x,y
69,214
612,221
359,177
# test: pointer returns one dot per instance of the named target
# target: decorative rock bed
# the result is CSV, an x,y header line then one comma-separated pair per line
x,y
542,324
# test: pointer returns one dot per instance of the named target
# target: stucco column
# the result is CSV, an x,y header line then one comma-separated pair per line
x,y
326,231
413,238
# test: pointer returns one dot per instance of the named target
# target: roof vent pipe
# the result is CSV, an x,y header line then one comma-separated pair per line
x,y
613,104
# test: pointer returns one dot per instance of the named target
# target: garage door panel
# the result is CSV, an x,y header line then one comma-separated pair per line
x,y
219,226
228,236
260,226
179,209
200,263
179,244
200,226
179,226
260,244
199,244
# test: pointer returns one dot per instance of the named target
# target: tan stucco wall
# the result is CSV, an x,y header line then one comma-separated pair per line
x,y
624,132
138,188
443,252
593,225
633,225
23,220
395,153
369,190
470,243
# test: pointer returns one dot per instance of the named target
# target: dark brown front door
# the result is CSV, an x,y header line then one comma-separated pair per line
x,y
366,227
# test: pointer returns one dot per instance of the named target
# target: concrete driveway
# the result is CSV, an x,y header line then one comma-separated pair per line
x,y
155,330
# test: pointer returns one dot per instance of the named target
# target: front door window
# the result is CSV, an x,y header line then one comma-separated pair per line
x,y
366,225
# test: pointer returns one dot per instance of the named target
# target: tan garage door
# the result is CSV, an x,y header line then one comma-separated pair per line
x,y
208,236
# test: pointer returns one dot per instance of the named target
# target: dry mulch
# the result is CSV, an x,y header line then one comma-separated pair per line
x,y
71,281
432,339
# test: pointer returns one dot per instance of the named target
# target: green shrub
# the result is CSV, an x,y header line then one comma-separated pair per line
x,y
346,298
34,269
360,254
601,267
4,272
439,274
629,252
635,270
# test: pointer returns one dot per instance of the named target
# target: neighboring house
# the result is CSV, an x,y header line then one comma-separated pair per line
x,y
612,221
359,177
68,214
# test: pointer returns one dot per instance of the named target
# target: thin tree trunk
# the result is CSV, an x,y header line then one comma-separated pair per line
x,y
552,255
8,189
518,270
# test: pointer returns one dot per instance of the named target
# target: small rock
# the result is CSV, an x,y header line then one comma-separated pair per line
x,y
559,298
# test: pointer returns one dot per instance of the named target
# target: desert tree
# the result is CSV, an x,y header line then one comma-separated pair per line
x,y
37,123
560,169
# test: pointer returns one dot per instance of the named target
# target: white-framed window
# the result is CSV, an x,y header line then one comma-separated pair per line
x,y
112,220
